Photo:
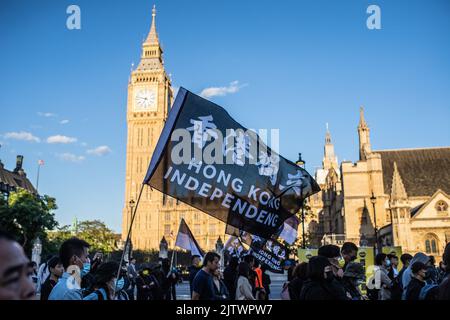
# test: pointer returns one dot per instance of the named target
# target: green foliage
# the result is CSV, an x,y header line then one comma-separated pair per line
x,y
98,235
27,216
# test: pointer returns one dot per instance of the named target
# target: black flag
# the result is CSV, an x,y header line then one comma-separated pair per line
x,y
186,240
209,161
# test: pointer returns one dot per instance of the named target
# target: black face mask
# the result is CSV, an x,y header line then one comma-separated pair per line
x,y
353,258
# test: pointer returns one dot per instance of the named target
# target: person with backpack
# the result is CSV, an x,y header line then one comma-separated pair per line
x,y
105,282
378,286
417,288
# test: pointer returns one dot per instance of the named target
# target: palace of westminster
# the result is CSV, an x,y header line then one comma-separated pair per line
x,y
401,195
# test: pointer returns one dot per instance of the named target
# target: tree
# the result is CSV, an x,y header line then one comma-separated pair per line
x,y
27,216
98,235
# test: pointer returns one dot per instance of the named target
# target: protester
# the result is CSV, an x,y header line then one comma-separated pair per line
x,y
397,287
105,282
56,270
123,285
43,274
258,278
444,287
417,288
353,277
244,290
432,276
252,275
230,275
321,283
393,265
202,285
406,277
145,283
349,252
193,269
220,289
381,282
132,275
266,281
74,258
34,274
299,276
333,254
15,271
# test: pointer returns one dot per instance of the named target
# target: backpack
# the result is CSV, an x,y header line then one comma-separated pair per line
x,y
372,293
425,290
285,292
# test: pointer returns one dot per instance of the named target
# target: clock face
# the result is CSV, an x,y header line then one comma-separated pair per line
x,y
145,100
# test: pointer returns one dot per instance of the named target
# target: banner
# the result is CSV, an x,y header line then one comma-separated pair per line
x,y
209,161
397,251
270,253
305,254
367,259
185,240
290,229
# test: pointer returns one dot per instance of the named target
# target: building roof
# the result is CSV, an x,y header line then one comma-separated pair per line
x,y
15,180
423,171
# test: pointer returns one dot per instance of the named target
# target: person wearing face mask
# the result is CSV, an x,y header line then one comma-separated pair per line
x,y
417,288
74,256
15,271
106,283
321,283
349,252
382,281
353,277
333,254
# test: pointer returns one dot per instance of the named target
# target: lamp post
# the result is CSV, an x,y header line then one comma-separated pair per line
x,y
129,248
373,199
301,163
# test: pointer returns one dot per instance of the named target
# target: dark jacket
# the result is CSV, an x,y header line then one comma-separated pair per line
x,y
230,278
444,288
351,288
266,283
413,289
192,273
221,293
295,288
322,290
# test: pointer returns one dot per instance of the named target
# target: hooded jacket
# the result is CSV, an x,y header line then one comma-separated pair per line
x,y
418,257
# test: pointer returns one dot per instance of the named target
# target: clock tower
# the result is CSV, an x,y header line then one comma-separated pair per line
x,y
150,96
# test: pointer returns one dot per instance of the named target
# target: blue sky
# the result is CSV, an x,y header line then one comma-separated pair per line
x,y
299,65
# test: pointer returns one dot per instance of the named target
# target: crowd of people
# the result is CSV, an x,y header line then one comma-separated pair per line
x,y
333,274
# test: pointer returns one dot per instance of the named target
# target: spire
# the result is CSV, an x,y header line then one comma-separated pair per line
x,y
327,136
398,191
152,37
362,121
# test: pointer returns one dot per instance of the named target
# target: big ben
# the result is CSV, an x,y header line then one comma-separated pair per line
x,y
150,96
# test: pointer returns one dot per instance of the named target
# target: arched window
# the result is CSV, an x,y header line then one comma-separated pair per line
x,y
441,206
431,244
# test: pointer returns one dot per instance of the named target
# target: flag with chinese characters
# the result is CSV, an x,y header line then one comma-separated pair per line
x,y
208,160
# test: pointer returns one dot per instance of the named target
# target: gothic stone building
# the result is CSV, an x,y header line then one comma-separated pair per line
x,y
407,191
150,97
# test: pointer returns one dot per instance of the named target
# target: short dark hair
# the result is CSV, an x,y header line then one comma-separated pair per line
x,y
53,262
417,266
316,267
194,256
243,269
209,257
6,236
329,251
404,258
379,258
105,272
348,247
69,248
392,256
249,258
301,271
234,262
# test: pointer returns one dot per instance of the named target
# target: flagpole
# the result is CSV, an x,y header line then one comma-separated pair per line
x,y
37,179
128,235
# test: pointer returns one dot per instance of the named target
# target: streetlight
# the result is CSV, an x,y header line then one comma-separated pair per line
x,y
373,199
131,204
301,163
